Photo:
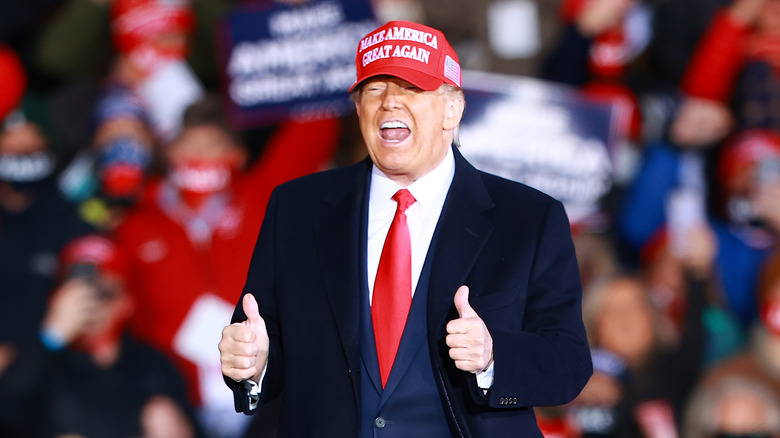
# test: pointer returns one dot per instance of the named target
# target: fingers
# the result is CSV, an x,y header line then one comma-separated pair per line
x,y
468,360
251,309
241,355
471,346
462,303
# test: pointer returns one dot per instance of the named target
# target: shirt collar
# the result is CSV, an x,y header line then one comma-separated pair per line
x,y
425,190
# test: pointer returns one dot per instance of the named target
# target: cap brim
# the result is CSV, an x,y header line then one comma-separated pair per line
x,y
419,79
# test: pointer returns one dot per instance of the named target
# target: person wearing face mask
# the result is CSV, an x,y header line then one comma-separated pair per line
x,y
35,221
744,217
109,177
761,360
734,407
80,374
189,240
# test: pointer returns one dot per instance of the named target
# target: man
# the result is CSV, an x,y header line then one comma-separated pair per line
x,y
96,381
489,303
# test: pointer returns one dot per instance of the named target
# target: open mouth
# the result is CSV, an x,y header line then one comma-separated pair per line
x,y
394,131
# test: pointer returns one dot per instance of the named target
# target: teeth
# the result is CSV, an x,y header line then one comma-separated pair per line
x,y
393,124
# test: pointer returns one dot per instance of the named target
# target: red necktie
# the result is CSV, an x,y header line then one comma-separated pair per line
x,y
393,287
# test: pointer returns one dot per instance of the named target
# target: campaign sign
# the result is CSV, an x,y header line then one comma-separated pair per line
x,y
548,136
283,61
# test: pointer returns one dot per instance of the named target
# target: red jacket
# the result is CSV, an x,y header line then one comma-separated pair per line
x,y
168,273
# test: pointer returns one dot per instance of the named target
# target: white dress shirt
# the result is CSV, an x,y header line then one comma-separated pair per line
x,y
430,191
421,217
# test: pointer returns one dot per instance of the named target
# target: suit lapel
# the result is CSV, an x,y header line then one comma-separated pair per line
x,y
460,235
337,232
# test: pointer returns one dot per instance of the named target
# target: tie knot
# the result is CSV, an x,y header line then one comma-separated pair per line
x,y
404,199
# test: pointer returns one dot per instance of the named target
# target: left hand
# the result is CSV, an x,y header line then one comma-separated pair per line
x,y
471,346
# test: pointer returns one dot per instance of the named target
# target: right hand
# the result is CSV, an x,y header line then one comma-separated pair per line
x,y
700,122
73,308
244,345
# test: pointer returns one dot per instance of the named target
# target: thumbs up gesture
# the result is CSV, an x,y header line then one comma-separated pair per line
x,y
471,346
244,345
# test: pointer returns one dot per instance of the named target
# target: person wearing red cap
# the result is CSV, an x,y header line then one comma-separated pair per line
x,y
82,375
409,294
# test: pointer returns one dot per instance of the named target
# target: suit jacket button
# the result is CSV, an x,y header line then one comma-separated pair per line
x,y
380,422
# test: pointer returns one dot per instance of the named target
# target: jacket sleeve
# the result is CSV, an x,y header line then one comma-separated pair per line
x,y
716,62
547,362
260,282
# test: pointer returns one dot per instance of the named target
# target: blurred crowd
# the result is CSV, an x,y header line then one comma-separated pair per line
x,y
128,216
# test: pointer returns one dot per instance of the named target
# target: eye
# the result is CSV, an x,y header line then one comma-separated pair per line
x,y
375,88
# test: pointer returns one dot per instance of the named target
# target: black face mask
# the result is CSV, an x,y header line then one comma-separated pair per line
x,y
24,172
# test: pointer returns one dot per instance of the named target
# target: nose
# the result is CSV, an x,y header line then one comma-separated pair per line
x,y
391,98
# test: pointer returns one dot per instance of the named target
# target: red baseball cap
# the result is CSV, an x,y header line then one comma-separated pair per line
x,y
93,249
746,149
135,22
410,51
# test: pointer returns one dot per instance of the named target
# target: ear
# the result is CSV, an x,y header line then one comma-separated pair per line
x,y
453,112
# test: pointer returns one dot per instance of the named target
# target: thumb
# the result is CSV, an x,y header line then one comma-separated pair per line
x,y
251,309
462,303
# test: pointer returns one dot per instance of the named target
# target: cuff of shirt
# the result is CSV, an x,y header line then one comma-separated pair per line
x,y
253,389
485,378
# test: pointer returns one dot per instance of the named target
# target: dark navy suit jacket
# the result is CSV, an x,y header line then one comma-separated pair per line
x,y
509,243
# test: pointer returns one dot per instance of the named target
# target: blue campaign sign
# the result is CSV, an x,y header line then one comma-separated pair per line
x,y
283,61
548,136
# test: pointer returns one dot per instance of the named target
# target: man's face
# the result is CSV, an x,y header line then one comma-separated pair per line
x,y
204,143
407,130
22,139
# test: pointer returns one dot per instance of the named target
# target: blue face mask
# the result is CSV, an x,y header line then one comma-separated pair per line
x,y
122,166
125,150
24,171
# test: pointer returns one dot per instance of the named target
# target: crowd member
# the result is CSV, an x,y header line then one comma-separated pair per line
x,y
733,407
493,326
669,263
744,218
108,177
761,359
189,241
80,374
151,40
35,221
643,369
601,40
87,27
740,38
